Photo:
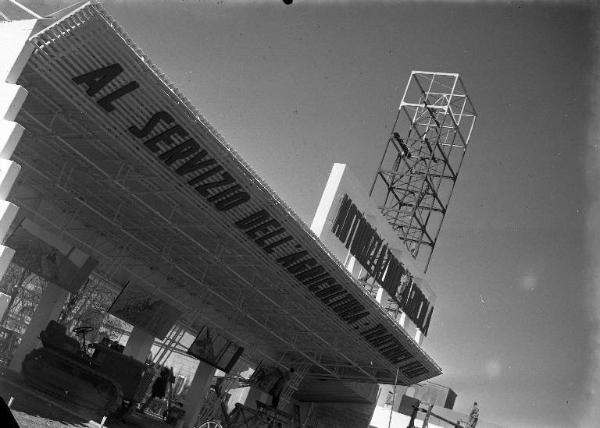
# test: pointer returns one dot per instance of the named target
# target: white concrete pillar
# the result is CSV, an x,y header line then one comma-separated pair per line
x,y
197,393
48,309
139,344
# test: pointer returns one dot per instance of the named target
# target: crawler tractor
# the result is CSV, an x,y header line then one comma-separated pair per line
x,y
105,382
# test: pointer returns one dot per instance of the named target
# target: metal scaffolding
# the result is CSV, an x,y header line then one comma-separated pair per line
x,y
423,156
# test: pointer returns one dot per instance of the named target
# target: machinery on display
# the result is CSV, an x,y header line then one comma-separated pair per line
x,y
105,382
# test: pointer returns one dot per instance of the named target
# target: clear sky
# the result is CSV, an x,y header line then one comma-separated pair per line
x,y
296,88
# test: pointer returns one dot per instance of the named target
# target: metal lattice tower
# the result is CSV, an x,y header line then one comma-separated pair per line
x,y
423,156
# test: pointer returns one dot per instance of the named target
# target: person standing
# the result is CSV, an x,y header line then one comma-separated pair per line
x,y
473,416
159,387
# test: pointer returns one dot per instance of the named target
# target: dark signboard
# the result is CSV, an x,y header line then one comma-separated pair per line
x,y
140,308
48,262
216,350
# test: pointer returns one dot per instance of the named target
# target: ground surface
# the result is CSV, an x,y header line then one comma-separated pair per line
x,y
33,409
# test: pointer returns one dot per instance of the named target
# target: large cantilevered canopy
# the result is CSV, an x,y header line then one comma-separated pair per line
x,y
117,162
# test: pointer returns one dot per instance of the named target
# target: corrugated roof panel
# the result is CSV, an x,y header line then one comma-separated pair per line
x,y
89,40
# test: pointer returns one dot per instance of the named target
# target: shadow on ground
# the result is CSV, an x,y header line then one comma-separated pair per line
x,y
34,409
28,406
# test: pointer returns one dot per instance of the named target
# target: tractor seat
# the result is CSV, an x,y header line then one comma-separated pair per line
x,y
55,336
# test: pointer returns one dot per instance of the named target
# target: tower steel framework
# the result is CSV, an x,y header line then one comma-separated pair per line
x,y
423,156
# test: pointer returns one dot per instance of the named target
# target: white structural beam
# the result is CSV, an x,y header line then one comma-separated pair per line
x,y
15,53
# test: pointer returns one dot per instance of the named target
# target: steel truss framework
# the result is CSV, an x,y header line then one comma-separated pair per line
x,y
84,180
423,156
129,245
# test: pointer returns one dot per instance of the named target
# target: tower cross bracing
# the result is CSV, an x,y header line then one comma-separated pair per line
x,y
423,156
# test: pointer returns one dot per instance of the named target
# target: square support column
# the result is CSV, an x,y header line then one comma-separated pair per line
x,y
51,303
139,344
197,393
